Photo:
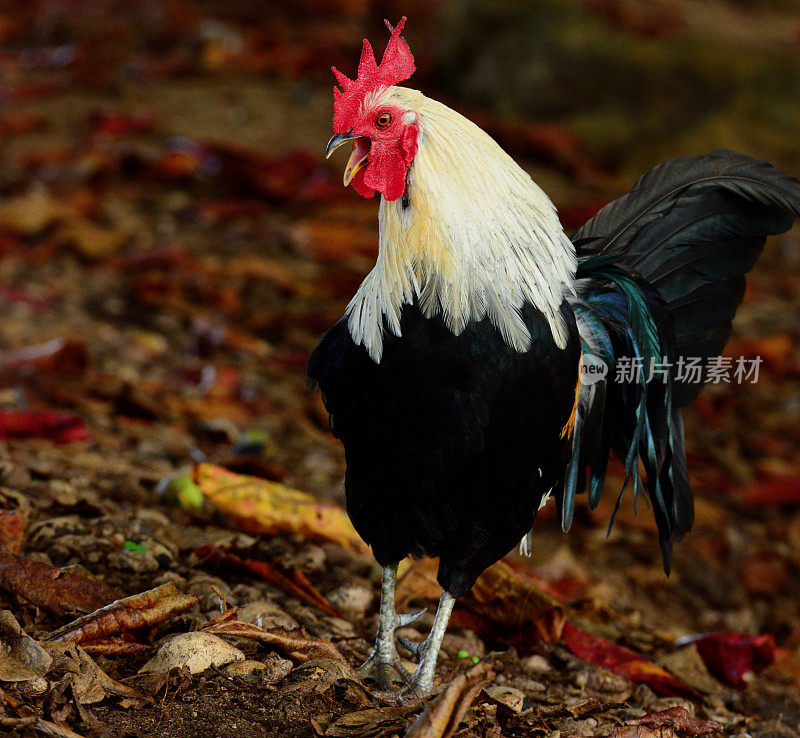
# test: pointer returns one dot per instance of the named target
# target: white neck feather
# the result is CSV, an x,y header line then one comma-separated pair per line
x,y
475,237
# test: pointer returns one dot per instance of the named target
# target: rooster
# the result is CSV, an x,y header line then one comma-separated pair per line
x,y
455,379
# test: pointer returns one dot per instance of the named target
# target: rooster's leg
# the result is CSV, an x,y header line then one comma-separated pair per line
x,y
384,656
421,681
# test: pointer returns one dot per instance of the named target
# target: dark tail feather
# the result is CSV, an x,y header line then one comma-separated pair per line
x,y
660,275
691,229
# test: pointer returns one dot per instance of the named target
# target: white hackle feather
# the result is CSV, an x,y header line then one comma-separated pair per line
x,y
473,237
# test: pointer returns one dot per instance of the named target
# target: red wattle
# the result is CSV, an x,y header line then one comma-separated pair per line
x,y
387,174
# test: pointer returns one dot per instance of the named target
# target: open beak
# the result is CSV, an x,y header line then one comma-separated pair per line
x,y
357,159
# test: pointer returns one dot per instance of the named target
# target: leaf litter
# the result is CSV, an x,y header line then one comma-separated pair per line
x,y
164,468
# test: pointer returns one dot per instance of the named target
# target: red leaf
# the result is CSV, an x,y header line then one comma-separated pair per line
x,y
602,652
574,216
777,491
40,424
110,123
67,357
729,656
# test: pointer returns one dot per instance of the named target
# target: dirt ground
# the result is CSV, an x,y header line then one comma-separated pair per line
x,y
172,245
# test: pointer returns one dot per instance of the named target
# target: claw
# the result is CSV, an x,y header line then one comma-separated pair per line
x,y
411,646
407,618
381,672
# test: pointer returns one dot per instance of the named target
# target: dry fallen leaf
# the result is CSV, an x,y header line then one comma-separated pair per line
x,y
295,584
442,716
261,507
89,682
91,240
14,514
375,721
54,590
731,656
21,657
296,645
666,724
57,427
512,596
123,615
503,595
32,212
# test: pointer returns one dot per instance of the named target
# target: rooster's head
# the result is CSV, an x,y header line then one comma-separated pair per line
x,y
383,131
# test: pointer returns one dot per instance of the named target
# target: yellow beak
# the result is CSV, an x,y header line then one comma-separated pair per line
x,y
354,163
357,159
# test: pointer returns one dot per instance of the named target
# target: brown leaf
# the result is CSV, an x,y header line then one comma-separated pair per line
x,y
443,715
14,514
504,595
295,585
513,596
55,591
49,728
115,646
58,354
90,683
131,613
376,721
261,507
92,240
21,657
295,645
772,491
665,724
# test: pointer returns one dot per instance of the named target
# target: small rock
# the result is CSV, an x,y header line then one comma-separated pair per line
x,y
138,562
276,668
536,664
248,667
63,493
615,687
351,599
147,522
311,560
337,628
247,593
511,697
529,686
196,651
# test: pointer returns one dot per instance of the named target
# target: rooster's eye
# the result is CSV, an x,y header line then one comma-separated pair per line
x,y
383,120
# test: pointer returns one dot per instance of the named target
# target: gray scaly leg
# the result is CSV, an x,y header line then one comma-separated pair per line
x,y
421,681
384,656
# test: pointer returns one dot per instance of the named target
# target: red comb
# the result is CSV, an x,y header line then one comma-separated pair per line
x,y
397,65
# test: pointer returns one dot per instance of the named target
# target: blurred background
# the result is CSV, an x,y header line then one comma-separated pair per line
x,y
173,243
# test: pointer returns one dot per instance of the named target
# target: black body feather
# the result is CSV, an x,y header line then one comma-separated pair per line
x,y
451,441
